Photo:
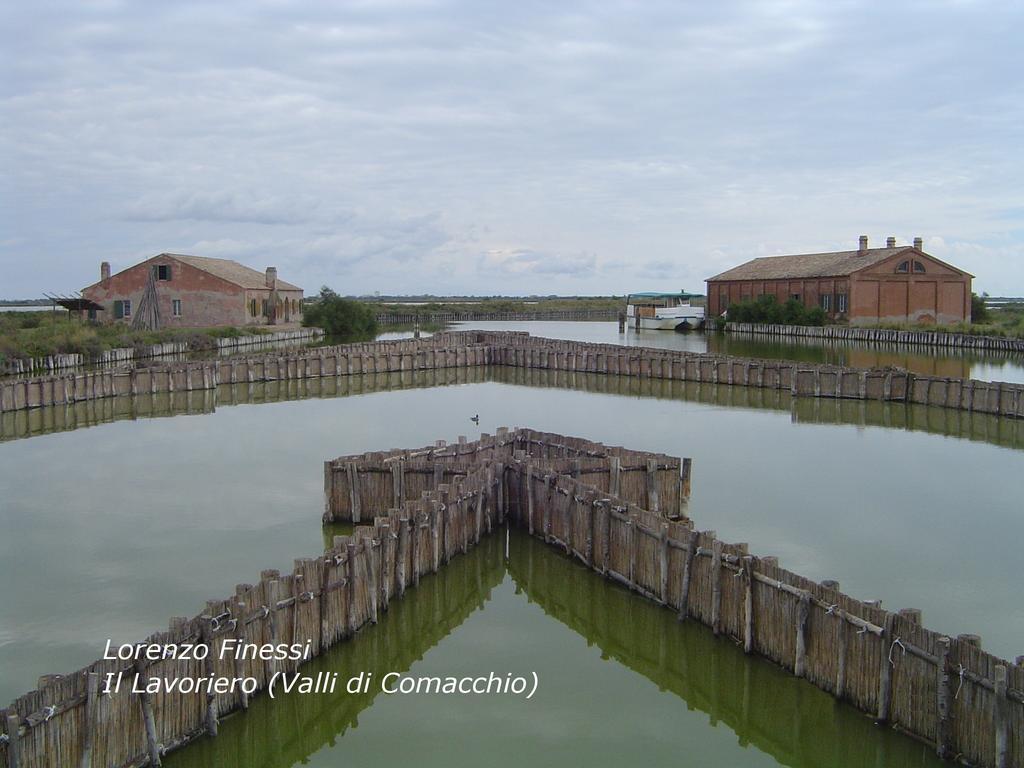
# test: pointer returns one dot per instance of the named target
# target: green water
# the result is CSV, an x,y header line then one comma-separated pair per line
x,y
621,682
119,514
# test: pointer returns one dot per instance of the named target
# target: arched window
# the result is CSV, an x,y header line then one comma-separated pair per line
x,y
919,267
903,267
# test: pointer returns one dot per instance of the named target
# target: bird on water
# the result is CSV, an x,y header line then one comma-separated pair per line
x,y
475,419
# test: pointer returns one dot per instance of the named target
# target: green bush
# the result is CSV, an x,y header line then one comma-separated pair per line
x,y
342,318
766,309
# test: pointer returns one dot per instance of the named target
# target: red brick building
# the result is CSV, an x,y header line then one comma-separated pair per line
x,y
895,284
194,292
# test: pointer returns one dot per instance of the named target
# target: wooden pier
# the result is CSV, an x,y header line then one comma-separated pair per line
x,y
618,512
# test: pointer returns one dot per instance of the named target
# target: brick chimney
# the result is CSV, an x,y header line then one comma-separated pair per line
x,y
890,242
919,243
271,277
863,243
104,270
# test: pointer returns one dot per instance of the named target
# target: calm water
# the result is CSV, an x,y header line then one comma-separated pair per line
x,y
932,361
110,530
621,683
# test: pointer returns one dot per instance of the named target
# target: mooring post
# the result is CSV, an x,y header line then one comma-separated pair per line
x,y
92,687
942,699
747,574
885,670
684,590
147,717
1000,716
716,586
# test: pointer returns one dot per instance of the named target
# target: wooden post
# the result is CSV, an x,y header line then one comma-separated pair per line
x,y
402,554
606,545
414,531
716,586
147,718
383,582
435,535
479,514
885,670
652,485
353,492
567,526
92,687
1000,716
631,539
588,546
663,562
11,724
501,487
684,590
350,623
238,613
943,700
529,498
685,468
546,512
748,604
802,613
398,481
206,635
371,574
615,475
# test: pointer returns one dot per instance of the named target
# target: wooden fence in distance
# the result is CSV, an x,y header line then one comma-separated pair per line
x,y
920,338
476,348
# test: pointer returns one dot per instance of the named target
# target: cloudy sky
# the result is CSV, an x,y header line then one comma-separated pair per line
x,y
409,146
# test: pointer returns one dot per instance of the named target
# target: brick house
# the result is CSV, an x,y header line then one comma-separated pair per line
x,y
895,284
194,292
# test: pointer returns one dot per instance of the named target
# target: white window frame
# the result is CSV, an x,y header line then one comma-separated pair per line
x,y
841,303
176,307
126,306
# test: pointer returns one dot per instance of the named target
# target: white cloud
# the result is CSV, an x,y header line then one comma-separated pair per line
x,y
580,147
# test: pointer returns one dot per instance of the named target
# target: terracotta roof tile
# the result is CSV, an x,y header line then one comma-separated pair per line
x,y
232,271
805,265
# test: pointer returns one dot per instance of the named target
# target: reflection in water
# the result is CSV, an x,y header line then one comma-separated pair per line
x,y
769,712
931,361
943,421
286,730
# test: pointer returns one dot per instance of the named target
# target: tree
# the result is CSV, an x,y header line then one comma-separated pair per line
x,y
340,317
979,312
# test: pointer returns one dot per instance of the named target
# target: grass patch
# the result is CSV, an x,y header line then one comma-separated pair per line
x,y
26,335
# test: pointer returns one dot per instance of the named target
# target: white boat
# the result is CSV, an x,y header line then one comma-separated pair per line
x,y
664,311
